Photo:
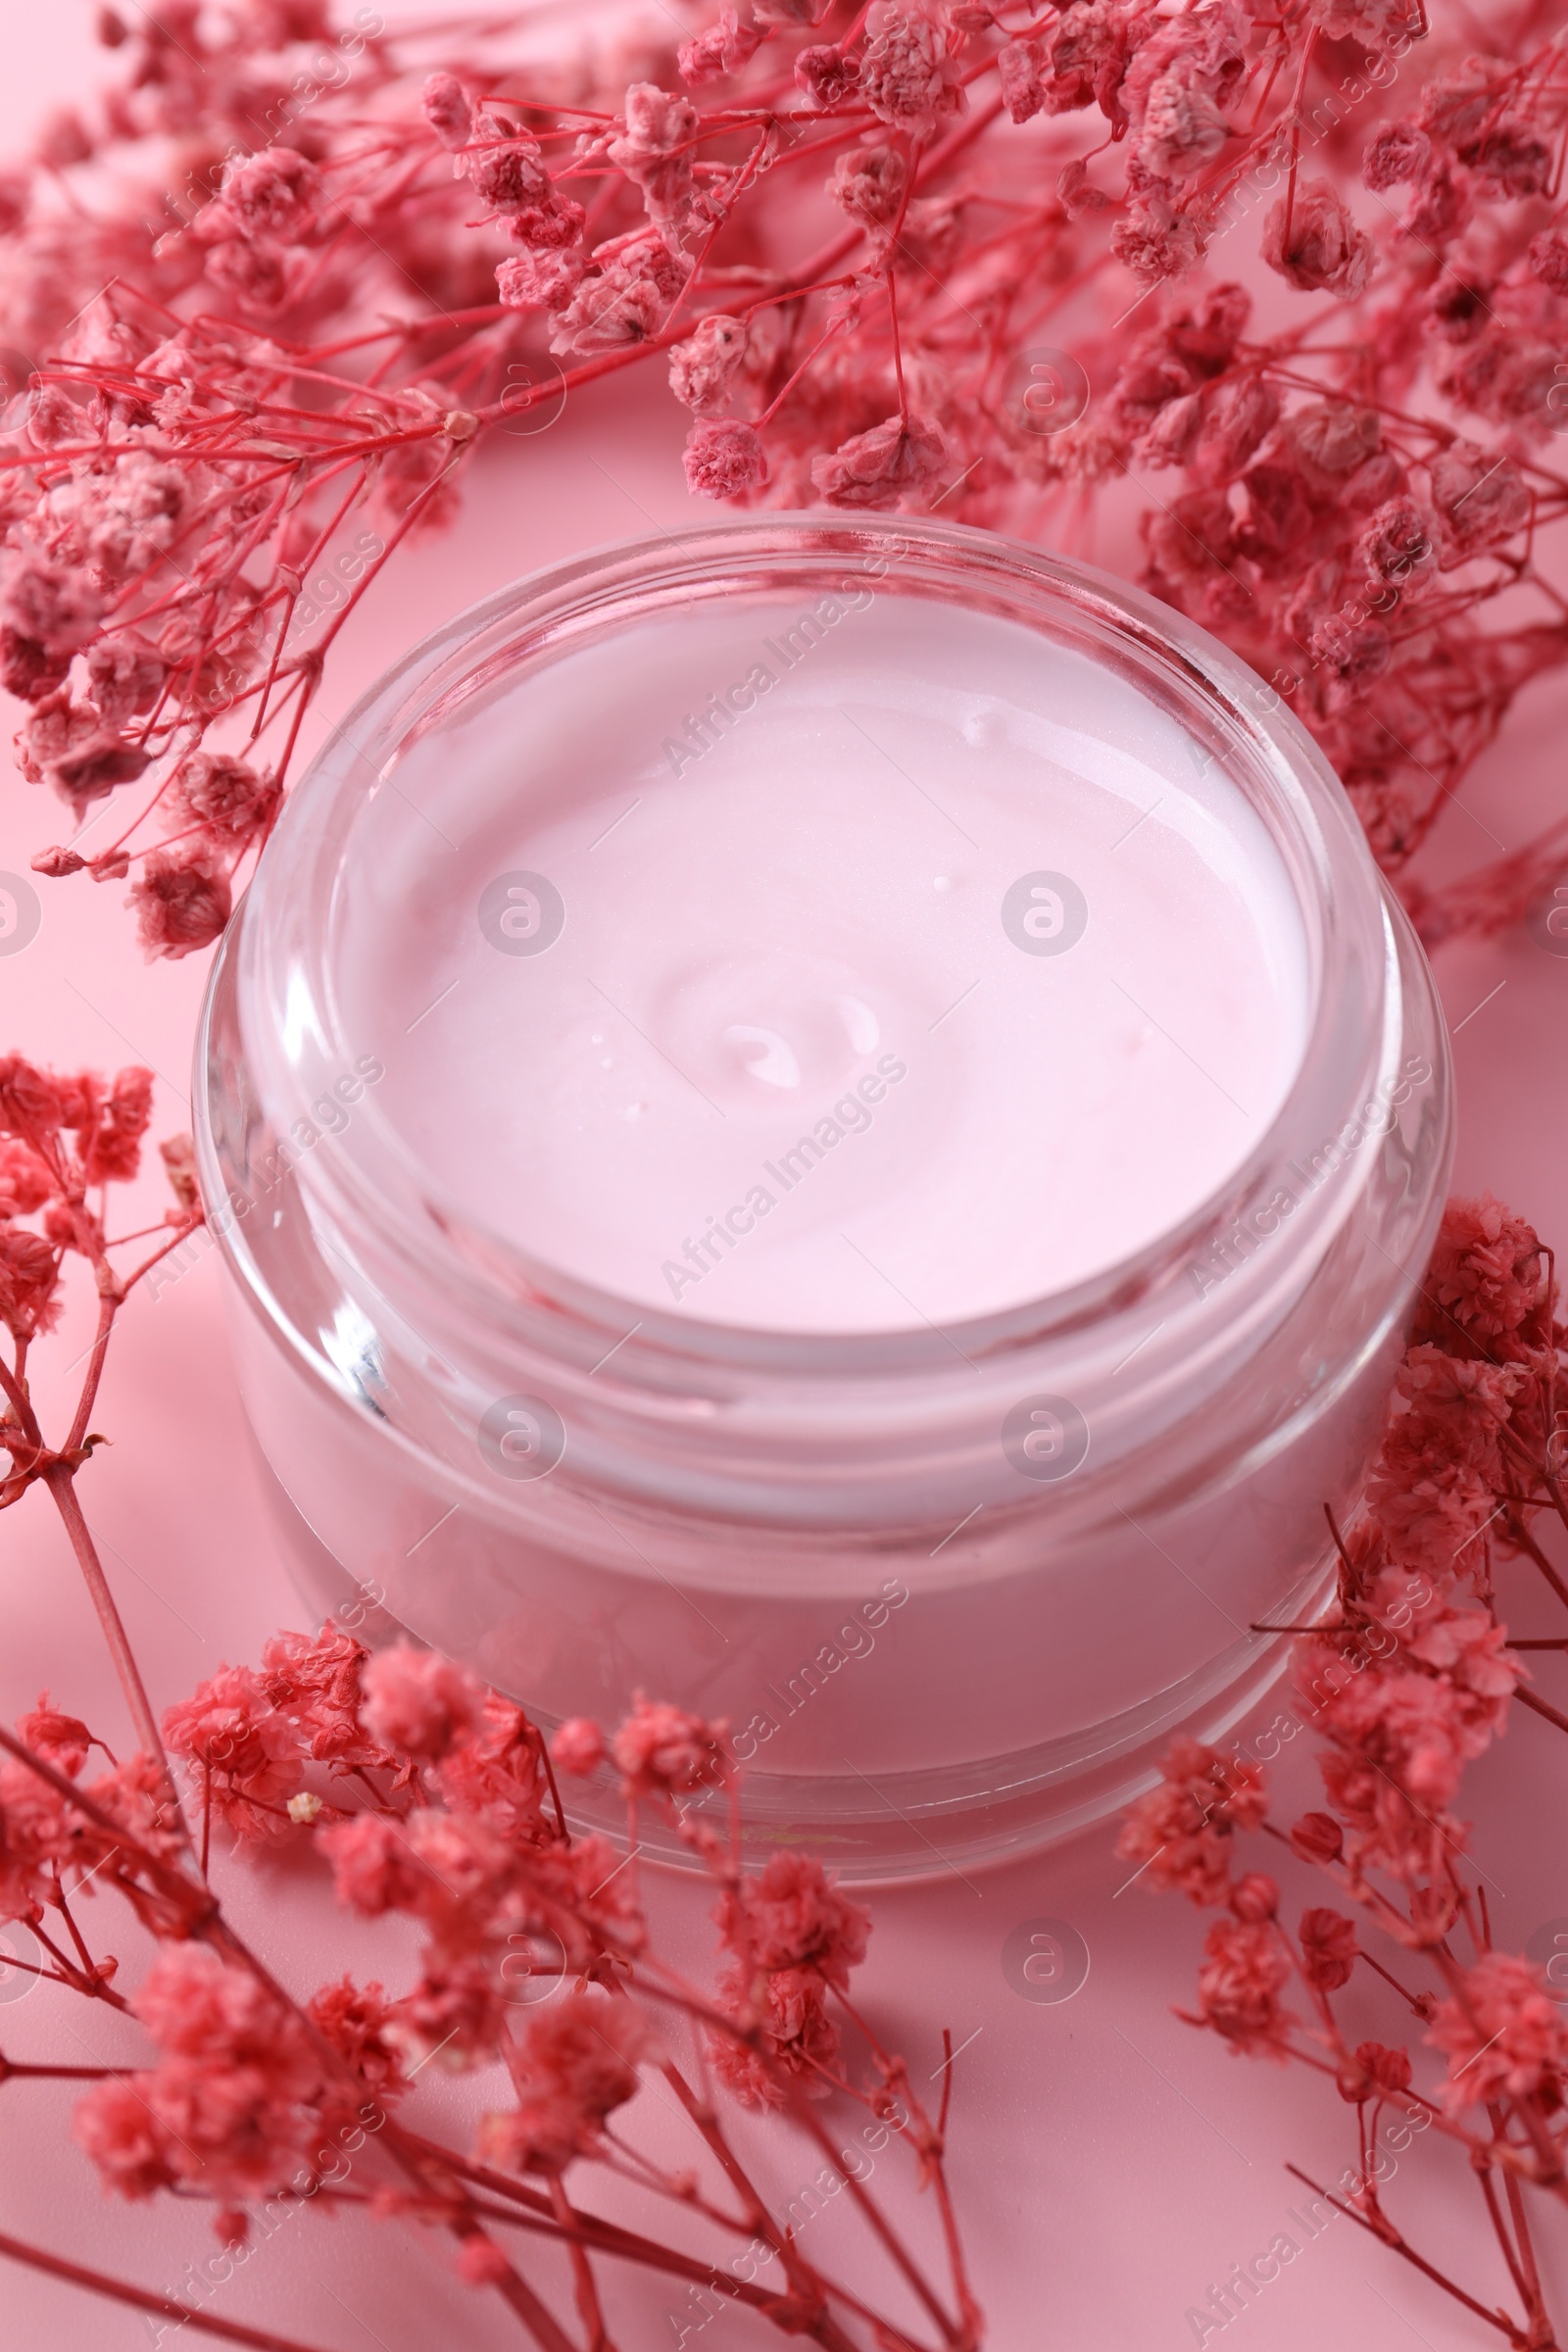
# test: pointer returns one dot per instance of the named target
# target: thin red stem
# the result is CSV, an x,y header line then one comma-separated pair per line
x,y
161,2307
59,1478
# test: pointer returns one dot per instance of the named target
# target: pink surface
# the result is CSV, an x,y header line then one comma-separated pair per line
x,y
1109,2163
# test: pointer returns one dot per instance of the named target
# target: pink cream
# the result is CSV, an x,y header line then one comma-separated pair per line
x,y
809,1049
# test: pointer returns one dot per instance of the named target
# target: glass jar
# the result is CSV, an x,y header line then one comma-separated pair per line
x,y
954,1588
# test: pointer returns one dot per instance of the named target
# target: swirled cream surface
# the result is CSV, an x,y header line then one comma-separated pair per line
x,y
844,965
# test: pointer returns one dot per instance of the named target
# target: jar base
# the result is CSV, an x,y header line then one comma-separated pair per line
x,y
904,1828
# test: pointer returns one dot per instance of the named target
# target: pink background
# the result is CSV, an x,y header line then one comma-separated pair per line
x,y
1109,2164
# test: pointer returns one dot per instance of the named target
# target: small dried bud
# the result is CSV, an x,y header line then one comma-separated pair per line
x,y
1548,260
509,175
1400,151
897,459
1255,1896
447,109
826,75
703,368
1318,1837
460,424
1375,2072
1076,189
868,182
723,455
232,800
182,899
1316,246
579,1746
724,48
271,193
178,1155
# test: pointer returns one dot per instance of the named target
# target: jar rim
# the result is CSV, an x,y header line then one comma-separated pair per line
x,y
283,931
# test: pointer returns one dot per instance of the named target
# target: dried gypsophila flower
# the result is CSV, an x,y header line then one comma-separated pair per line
x,y
1197,108
430,1798
1406,1679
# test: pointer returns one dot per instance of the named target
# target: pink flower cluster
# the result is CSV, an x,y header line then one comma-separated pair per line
x,y
433,1801
793,1940
853,238
48,1846
1419,1678
439,1807
249,1735
466,1841
60,1138
1181,1834
571,2067
1502,2035
176,469
1409,1677
233,2105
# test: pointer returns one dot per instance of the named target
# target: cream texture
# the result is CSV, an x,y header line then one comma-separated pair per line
x,y
814,1047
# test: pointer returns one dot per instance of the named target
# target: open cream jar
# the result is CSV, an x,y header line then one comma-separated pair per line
x,y
828,1119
